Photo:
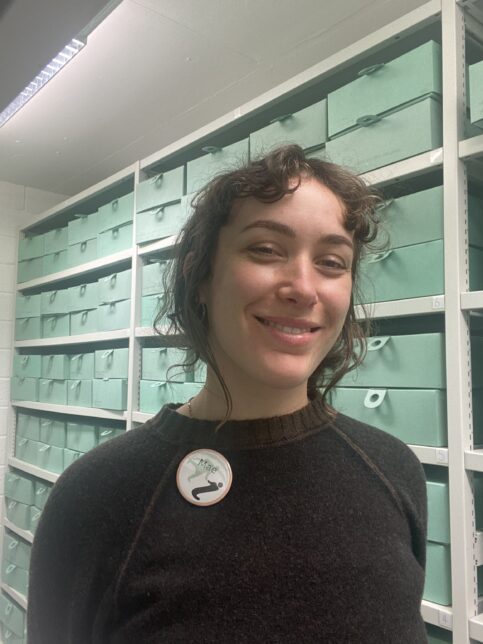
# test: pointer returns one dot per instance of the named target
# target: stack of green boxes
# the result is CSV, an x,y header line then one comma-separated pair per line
x,y
152,290
476,93
30,257
55,248
114,301
413,265
154,388
392,111
13,621
115,228
25,498
54,442
109,387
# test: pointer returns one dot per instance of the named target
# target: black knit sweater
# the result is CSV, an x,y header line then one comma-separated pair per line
x,y
320,539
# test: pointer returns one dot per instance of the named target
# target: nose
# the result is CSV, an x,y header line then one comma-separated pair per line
x,y
298,283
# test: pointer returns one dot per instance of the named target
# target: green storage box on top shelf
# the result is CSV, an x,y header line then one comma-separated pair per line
x,y
79,393
115,287
28,328
81,437
55,240
109,393
27,306
153,277
31,246
153,395
150,305
438,504
386,85
476,93
84,322
307,128
52,432
14,619
411,271
53,391
162,189
216,161
14,576
54,302
117,212
16,551
156,362
114,240
55,262
83,297
437,587
42,491
81,366
55,366
380,141
19,487
83,252
162,221
30,269
115,315
28,426
111,363
415,416
18,513
27,366
82,228
54,326
24,389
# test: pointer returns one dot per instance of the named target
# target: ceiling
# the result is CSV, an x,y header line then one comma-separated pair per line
x,y
152,71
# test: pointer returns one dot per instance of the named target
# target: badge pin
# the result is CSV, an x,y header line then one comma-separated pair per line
x,y
204,477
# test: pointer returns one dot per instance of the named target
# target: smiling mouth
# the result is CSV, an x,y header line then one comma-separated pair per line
x,y
287,329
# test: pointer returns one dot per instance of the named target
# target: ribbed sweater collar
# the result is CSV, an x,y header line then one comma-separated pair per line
x,y
239,434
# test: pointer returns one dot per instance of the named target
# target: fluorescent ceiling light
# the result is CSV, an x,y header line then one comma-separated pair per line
x,y
42,78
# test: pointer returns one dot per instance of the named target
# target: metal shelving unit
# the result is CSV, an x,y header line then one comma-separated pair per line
x,y
453,161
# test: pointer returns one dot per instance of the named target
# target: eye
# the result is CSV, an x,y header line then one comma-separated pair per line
x,y
333,264
263,250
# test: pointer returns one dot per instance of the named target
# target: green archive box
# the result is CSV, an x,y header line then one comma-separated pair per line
x,y
27,306
55,262
411,271
437,587
398,135
30,269
150,305
81,437
114,240
162,189
28,426
13,618
26,449
52,432
9,637
31,246
153,395
54,326
83,252
16,551
34,518
438,635
117,212
81,366
42,491
438,504
384,86
109,393
27,328
83,297
24,388
82,228
415,416
19,487
79,393
84,322
27,366
18,513
55,240
53,391
49,457
16,577
107,433
70,456
54,302
476,93
153,275
156,362
115,287
162,221
216,161
307,128
55,366
111,363
115,315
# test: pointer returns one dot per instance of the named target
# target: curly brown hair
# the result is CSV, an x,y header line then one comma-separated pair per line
x,y
267,179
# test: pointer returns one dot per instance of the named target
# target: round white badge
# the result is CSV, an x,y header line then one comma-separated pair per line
x,y
204,477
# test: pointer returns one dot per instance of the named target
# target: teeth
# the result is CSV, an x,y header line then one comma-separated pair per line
x,y
286,329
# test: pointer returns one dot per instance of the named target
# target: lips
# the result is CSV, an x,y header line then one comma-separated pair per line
x,y
303,326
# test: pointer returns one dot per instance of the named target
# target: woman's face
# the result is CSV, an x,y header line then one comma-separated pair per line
x,y
286,264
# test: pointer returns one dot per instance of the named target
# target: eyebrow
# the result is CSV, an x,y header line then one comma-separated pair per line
x,y
290,232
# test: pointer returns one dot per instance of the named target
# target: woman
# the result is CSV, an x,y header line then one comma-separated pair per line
x,y
254,512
